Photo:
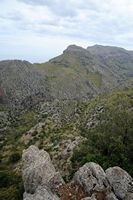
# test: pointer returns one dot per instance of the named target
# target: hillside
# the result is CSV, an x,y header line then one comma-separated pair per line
x,y
21,84
83,74
73,133
78,74
118,59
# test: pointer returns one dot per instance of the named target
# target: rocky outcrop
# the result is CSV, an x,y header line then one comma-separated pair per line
x,y
39,174
121,182
90,182
91,177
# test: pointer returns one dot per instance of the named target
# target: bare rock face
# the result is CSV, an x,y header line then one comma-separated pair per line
x,y
38,170
110,196
92,178
121,182
90,182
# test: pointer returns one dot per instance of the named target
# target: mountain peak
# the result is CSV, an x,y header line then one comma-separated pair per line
x,y
74,48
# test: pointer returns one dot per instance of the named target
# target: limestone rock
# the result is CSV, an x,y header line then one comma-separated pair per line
x,y
91,177
41,194
120,181
38,170
90,182
111,196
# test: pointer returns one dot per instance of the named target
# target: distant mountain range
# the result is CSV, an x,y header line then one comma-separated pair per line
x,y
78,73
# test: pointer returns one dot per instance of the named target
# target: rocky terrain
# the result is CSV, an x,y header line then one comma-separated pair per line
x,y
78,73
83,74
21,85
90,182
73,134
78,107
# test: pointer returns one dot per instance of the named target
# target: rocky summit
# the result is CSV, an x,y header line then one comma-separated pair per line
x,y
90,182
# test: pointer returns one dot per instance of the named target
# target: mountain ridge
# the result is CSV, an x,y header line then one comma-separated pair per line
x,y
77,73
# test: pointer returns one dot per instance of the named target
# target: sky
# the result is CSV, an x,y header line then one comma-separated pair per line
x,y
37,30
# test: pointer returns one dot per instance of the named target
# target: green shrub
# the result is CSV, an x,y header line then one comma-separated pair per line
x,y
5,179
14,157
11,186
109,141
11,193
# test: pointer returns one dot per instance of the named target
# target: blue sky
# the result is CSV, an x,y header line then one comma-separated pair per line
x,y
37,30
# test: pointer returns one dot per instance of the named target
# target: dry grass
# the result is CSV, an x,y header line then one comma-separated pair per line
x,y
75,192
100,195
71,192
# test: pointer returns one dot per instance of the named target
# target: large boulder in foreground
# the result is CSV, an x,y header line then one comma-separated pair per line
x,y
92,178
90,182
38,170
121,182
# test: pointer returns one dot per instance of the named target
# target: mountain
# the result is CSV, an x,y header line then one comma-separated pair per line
x,y
21,84
118,59
84,73
78,74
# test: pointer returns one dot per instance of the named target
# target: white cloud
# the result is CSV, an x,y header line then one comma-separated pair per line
x,y
27,25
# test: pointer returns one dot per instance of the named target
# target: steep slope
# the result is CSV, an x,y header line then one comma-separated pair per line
x,y
67,77
119,60
21,84
83,73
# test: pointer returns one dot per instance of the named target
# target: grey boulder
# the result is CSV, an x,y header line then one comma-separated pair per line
x,y
92,178
42,182
39,175
120,181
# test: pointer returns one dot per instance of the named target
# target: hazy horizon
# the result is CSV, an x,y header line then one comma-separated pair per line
x,y
38,30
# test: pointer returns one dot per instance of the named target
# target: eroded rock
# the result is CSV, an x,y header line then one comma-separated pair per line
x,y
90,182
120,181
41,194
38,170
110,196
91,177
